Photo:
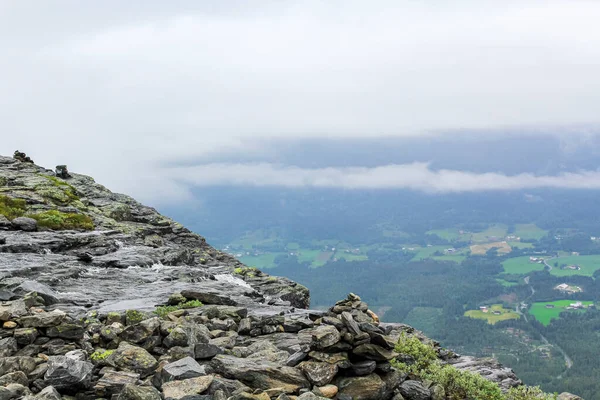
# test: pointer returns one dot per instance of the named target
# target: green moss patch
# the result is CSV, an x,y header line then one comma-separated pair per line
x,y
58,192
246,271
133,317
57,220
12,208
100,355
164,310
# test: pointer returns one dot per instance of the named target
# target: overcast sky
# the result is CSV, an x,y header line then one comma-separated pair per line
x,y
117,89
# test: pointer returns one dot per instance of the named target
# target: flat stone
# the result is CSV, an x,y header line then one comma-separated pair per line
x,y
25,336
339,359
8,347
17,390
177,337
207,297
350,323
222,312
14,377
295,359
370,387
362,368
69,375
182,369
414,390
48,393
325,336
134,359
374,352
133,392
186,388
43,319
66,331
206,350
25,224
14,364
318,373
112,382
260,375
12,309
141,331
49,295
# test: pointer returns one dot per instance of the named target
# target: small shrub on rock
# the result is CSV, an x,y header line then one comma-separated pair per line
x,y
421,359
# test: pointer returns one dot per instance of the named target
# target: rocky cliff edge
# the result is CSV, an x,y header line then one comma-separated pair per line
x,y
103,297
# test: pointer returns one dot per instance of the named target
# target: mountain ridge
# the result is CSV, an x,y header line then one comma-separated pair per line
x,y
82,271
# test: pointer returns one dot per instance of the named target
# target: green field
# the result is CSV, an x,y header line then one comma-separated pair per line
x,y
521,265
588,265
505,314
545,315
507,283
520,245
493,233
446,234
529,231
340,254
310,256
450,235
263,261
427,252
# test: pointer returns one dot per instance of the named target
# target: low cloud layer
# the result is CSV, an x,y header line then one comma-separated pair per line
x,y
114,89
416,176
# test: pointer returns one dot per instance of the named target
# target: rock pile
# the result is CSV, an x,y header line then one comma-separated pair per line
x,y
209,352
62,172
19,155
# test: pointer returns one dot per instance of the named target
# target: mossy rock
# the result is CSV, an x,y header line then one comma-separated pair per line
x,y
53,194
57,220
132,317
12,208
153,241
58,190
249,272
118,212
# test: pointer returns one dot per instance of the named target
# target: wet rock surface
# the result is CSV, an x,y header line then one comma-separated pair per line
x,y
79,317
132,258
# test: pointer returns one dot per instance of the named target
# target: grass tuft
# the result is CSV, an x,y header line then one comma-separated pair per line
x,y
12,208
57,220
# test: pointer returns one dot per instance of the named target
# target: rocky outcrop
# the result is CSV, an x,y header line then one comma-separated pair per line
x,y
82,271
75,236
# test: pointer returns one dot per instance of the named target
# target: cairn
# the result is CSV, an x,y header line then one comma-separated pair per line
x,y
62,172
22,157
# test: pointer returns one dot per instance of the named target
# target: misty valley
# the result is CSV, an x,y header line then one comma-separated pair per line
x,y
508,275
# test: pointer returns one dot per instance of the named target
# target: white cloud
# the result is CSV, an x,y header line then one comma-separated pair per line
x,y
416,176
114,88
